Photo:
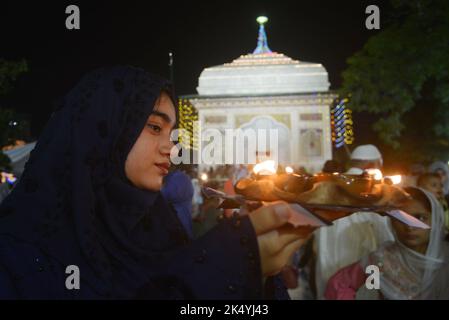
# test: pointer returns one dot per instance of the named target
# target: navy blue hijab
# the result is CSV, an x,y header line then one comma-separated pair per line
x,y
74,202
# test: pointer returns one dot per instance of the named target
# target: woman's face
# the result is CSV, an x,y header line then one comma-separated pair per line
x,y
442,174
149,159
414,238
434,185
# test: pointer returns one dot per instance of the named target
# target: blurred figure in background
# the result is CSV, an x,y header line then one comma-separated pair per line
x,y
228,188
241,172
442,169
332,166
303,267
197,200
414,265
432,182
178,192
410,179
365,157
208,218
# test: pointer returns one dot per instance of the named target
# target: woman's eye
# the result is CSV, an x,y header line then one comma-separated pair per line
x,y
154,127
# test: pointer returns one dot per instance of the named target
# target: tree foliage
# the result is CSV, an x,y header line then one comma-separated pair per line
x,y
10,127
401,68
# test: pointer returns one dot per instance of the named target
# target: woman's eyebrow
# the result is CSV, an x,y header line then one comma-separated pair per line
x,y
162,115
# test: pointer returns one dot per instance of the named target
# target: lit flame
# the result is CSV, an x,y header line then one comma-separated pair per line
x,y
395,179
376,173
204,177
265,168
289,170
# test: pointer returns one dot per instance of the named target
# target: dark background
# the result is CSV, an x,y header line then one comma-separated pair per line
x,y
200,33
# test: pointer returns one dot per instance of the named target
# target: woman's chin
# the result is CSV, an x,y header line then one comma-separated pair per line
x,y
413,244
155,184
155,187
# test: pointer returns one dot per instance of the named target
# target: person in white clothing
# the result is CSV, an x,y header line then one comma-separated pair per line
x,y
350,238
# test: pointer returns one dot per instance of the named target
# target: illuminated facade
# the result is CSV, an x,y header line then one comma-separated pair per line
x,y
268,90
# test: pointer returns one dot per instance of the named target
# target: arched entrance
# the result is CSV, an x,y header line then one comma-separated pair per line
x,y
265,148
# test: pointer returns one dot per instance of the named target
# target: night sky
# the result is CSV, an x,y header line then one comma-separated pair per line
x,y
141,33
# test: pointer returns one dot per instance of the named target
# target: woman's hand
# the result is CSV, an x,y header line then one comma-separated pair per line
x,y
277,240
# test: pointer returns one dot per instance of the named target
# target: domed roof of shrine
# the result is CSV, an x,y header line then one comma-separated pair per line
x,y
263,72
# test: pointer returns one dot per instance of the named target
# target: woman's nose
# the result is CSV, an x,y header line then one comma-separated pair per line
x,y
166,147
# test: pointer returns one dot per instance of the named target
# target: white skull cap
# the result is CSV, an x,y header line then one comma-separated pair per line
x,y
366,152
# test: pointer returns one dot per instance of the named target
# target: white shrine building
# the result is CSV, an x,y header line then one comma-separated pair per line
x,y
268,90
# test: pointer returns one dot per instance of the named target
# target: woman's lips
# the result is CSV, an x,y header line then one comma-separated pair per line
x,y
163,167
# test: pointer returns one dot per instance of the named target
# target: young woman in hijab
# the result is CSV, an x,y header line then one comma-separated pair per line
x,y
414,266
89,200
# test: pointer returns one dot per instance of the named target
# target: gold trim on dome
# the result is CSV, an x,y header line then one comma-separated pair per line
x,y
261,59
274,101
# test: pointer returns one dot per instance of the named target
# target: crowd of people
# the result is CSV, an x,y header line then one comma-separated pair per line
x,y
98,194
332,264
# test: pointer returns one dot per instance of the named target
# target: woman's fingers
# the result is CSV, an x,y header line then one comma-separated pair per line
x,y
270,217
278,261
301,231
275,241
285,255
276,246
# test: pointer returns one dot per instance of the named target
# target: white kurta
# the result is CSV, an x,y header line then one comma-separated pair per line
x,y
346,242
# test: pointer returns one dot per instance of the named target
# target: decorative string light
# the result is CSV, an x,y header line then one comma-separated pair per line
x,y
188,115
342,124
